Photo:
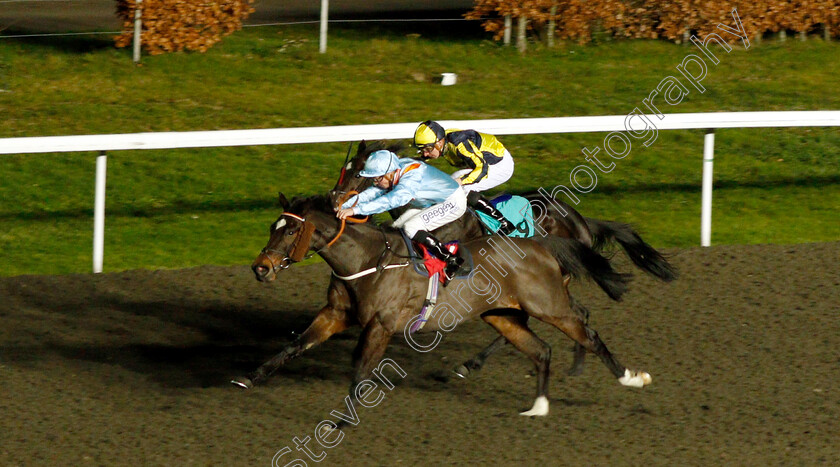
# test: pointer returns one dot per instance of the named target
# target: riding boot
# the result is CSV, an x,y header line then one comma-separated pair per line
x,y
480,203
437,248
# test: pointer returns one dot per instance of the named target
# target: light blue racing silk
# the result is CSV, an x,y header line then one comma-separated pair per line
x,y
417,185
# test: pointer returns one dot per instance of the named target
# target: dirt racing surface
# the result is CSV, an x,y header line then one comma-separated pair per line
x,y
133,368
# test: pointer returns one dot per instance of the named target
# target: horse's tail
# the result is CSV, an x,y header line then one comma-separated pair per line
x,y
581,261
644,256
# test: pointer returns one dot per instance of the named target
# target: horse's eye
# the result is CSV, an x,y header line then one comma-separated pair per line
x,y
358,175
290,233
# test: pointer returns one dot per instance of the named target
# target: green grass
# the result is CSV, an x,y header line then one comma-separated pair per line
x,y
181,208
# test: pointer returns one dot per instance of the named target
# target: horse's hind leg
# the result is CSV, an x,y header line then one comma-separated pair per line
x,y
475,363
578,358
514,328
574,327
330,320
579,351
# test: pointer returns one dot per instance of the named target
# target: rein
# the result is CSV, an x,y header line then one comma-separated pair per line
x,y
352,220
303,242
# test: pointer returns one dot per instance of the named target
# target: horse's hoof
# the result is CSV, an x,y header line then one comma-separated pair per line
x,y
539,409
636,379
462,371
242,382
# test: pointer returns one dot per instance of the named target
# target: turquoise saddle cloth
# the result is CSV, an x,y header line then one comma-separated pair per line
x,y
517,210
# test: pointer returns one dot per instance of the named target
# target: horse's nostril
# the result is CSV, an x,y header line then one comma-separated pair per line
x,y
261,270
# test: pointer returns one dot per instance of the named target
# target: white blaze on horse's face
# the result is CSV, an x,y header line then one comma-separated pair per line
x,y
349,165
279,224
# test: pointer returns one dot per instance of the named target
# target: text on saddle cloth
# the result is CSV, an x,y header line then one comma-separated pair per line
x,y
517,210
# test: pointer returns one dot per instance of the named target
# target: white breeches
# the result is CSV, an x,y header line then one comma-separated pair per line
x,y
496,175
434,216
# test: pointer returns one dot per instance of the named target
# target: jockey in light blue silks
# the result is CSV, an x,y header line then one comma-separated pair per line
x,y
433,197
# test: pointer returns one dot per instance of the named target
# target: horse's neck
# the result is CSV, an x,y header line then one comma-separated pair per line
x,y
359,248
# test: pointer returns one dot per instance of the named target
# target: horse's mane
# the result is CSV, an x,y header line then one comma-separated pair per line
x,y
320,203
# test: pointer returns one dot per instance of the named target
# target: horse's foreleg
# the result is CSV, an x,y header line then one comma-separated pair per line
x,y
515,329
327,322
367,361
369,351
475,363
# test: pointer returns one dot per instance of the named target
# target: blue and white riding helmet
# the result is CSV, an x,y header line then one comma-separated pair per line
x,y
379,163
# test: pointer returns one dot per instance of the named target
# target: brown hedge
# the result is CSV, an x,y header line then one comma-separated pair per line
x,y
663,19
174,25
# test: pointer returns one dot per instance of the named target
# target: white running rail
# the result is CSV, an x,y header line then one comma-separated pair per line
x,y
520,126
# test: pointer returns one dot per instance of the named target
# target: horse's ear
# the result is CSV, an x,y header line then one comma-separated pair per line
x,y
284,203
362,147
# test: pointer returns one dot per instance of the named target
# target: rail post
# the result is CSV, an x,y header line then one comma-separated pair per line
x,y
706,205
325,7
99,213
138,22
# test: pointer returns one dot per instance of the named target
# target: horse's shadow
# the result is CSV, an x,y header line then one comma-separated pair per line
x,y
183,343
189,337
195,366
175,342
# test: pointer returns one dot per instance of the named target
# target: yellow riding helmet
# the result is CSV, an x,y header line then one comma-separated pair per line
x,y
429,132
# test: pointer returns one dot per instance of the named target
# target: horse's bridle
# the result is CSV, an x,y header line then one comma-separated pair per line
x,y
303,240
298,251
304,235
345,195
344,169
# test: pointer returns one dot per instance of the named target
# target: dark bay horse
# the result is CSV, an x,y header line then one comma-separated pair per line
x,y
511,281
560,220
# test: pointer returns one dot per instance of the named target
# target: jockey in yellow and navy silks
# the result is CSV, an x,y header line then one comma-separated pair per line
x,y
488,163
434,199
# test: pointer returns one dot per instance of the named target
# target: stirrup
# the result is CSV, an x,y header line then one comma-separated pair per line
x,y
450,273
